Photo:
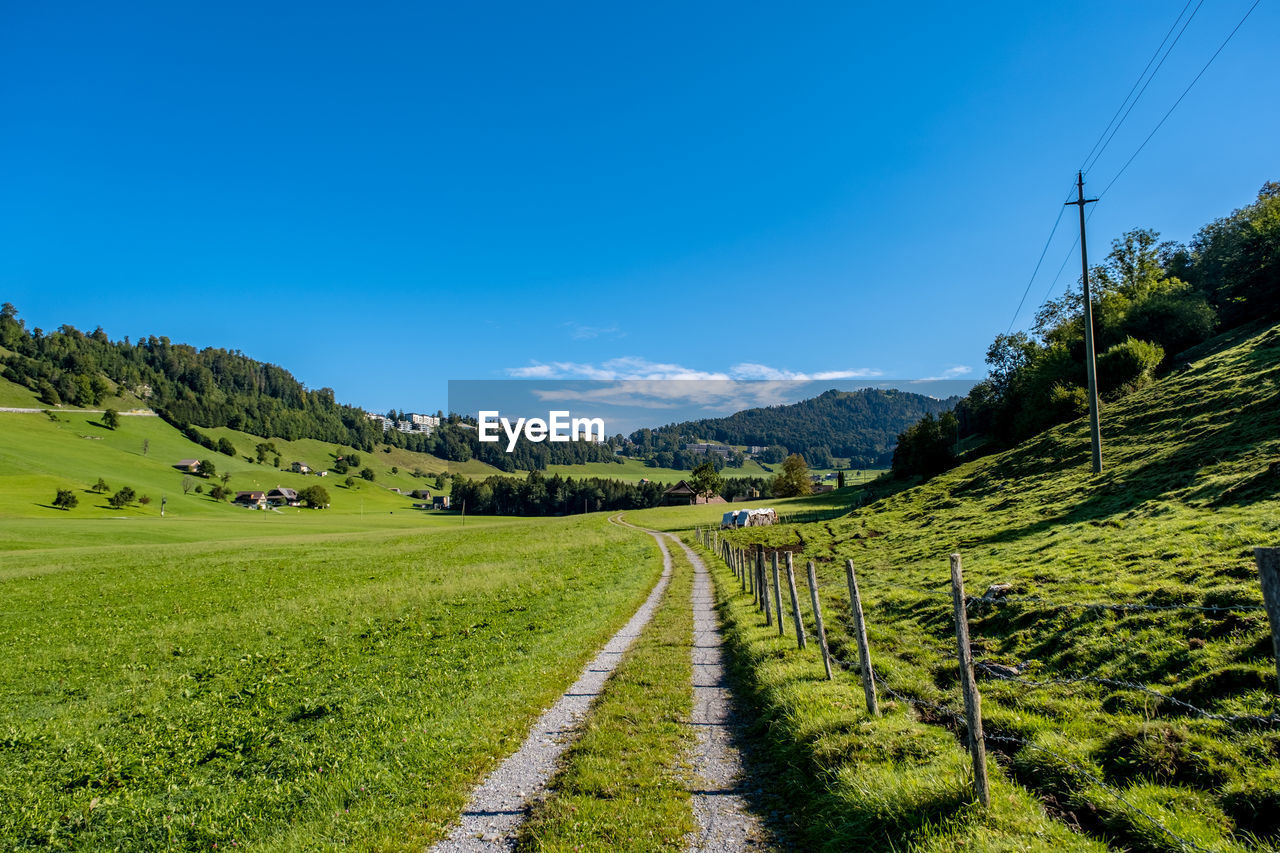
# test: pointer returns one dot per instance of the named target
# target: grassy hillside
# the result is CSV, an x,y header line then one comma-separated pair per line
x,y
1191,485
40,456
312,692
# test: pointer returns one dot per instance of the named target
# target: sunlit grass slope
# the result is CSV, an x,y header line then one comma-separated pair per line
x,y
1191,486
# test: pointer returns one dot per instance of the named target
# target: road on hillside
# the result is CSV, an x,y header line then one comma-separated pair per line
x,y
135,413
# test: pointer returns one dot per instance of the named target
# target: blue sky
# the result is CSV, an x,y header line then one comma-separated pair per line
x,y
386,198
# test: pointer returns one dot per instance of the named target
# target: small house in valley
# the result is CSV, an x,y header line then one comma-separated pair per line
x,y
281,496
188,466
253,500
680,494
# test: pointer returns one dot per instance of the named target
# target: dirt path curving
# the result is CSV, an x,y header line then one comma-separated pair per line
x,y
492,819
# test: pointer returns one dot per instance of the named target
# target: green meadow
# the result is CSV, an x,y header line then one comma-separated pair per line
x,y
1190,487
309,691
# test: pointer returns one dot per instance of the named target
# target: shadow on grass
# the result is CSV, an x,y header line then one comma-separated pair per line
x,y
786,784
1162,474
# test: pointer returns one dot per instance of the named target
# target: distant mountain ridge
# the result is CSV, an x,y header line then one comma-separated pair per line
x,y
862,425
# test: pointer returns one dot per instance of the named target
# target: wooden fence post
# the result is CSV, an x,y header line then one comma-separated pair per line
x,y
795,603
972,701
1268,560
764,584
749,572
817,619
860,634
762,591
777,593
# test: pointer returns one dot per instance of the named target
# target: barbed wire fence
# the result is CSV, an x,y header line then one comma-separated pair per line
x,y
749,566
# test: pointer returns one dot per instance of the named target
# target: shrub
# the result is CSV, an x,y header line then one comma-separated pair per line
x,y
1128,365
315,497
1172,318
367,473
225,447
122,498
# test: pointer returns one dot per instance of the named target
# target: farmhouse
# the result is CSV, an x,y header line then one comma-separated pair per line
x,y
679,494
682,494
300,468
254,500
189,466
281,496
440,502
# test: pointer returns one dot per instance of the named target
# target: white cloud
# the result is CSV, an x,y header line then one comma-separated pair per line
x,y
957,372
748,370
636,381
533,371
626,367
637,368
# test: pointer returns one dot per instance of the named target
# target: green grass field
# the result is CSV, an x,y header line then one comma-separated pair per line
x,y
315,692
1190,487
625,784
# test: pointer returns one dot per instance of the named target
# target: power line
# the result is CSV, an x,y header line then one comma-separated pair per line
x,y
1089,164
1058,219
1034,272
1180,97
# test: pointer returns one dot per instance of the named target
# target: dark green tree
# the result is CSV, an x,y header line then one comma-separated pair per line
x,y
66,499
316,497
706,481
122,498
111,419
794,479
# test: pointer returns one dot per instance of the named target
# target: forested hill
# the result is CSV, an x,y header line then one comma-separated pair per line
x,y
862,425
215,387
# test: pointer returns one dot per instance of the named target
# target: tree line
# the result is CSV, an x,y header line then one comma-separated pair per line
x,y
861,425
538,494
1151,301
215,387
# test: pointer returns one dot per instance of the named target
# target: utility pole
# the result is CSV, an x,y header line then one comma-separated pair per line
x,y
1089,361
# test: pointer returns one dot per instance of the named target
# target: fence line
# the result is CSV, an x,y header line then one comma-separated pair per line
x,y
1268,560
1128,685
